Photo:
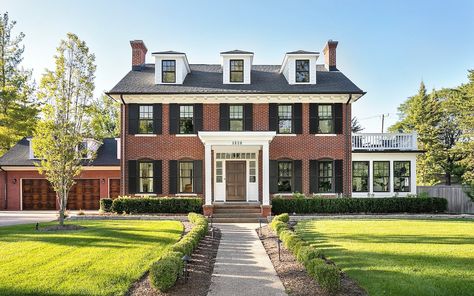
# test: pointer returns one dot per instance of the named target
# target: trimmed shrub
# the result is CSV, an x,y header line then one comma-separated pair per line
x,y
307,253
311,265
156,205
359,205
328,276
164,272
106,205
282,217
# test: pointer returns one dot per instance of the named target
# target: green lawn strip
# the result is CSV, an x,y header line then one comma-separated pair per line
x,y
399,257
103,259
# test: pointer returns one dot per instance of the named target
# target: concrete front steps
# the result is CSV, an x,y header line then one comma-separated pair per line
x,y
236,212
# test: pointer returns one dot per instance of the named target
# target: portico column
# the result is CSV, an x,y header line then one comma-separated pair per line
x,y
266,174
208,173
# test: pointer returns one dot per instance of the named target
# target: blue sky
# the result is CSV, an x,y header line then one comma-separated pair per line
x,y
385,47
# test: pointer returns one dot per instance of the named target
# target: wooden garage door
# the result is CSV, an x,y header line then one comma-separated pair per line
x,y
37,194
84,195
114,189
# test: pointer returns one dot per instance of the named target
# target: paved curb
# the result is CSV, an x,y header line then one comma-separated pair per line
x,y
380,216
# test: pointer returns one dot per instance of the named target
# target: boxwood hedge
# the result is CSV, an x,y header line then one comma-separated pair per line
x,y
169,205
106,205
359,205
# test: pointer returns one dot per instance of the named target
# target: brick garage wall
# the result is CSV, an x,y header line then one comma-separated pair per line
x,y
14,187
304,146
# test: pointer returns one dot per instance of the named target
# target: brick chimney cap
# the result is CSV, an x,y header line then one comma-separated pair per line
x,y
138,42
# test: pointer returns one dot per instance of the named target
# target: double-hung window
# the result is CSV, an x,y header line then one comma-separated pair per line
x,y
145,119
236,70
186,173
186,119
168,71
326,119
236,117
145,177
285,119
326,174
285,176
401,176
381,176
360,176
302,70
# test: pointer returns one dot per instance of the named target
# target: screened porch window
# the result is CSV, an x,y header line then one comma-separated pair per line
x,y
381,176
401,176
360,176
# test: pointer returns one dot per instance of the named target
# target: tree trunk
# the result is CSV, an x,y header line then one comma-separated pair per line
x,y
448,179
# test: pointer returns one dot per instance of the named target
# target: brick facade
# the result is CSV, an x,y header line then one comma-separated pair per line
x,y
303,146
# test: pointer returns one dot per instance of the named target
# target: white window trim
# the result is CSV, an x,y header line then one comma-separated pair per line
x,y
145,135
325,135
286,135
186,194
186,135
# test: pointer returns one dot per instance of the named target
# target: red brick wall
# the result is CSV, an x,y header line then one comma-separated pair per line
x,y
14,184
304,146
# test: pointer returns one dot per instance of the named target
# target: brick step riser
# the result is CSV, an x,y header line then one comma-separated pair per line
x,y
235,220
237,211
236,215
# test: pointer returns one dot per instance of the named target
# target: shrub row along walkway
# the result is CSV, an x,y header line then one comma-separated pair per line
x,y
242,265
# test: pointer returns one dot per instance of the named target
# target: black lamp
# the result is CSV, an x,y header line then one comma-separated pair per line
x,y
186,260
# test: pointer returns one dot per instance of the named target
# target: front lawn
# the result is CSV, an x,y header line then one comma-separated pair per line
x,y
103,259
399,257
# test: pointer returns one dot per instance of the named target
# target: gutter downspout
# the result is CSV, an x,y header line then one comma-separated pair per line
x,y
5,205
349,143
122,144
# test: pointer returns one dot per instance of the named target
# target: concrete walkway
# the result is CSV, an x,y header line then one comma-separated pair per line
x,y
242,266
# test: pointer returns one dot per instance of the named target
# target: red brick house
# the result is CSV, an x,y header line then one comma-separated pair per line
x,y
23,188
235,131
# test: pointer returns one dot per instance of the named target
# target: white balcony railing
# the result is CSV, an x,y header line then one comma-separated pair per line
x,y
384,141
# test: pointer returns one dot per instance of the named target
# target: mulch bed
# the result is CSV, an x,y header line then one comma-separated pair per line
x,y
293,274
200,270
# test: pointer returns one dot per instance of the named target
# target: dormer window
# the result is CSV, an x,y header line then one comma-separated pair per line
x,y
302,70
168,71
236,70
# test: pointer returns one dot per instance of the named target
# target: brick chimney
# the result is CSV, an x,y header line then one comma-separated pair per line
x,y
329,52
139,51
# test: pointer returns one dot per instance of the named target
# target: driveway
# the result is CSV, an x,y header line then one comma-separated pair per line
x,y
25,217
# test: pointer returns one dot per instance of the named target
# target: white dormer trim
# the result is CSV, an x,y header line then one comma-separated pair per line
x,y
288,67
118,147
182,67
225,63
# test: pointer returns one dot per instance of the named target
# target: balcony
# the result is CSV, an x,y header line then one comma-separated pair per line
x,y
384,141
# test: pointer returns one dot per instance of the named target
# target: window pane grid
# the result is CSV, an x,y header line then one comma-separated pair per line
x,y
236,118
236,155
236,70
186,123
145,177
401,176
168,71
285,114
381,176
186,176
325,176
145,119
252,172
285,175
360,176
302,70
325,116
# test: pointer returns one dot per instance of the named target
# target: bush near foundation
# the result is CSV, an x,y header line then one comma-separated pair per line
x,y
359,205
106,205
165,272
153,205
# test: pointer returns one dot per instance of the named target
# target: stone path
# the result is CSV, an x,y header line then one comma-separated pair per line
x,y
242,266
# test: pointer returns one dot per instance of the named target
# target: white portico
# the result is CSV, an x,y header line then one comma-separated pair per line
x,y
234,157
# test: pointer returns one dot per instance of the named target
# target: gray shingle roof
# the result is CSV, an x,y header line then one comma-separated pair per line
x,y
167,52
302,52
207,79
19,155
236,51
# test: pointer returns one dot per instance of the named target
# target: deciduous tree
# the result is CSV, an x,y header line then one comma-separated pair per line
x,y
68,90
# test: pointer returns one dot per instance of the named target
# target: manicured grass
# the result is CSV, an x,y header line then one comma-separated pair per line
x,y
103,259
399,257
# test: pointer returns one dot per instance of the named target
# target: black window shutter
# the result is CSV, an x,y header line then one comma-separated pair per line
x,y
157,183
273,117
173,176
157,119
313,118
338,176
132,176
198,120
223,117
197,176
338,118
248,117
273,176
313,176
298,180
133,119
174,118
297,118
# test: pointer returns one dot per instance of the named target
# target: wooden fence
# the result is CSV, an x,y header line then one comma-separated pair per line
x,y
458,201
